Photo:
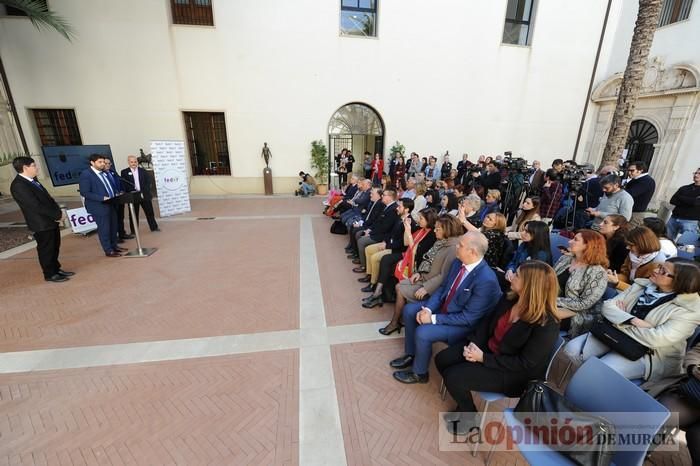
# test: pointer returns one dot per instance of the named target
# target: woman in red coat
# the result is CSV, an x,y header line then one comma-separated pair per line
x,y
377,169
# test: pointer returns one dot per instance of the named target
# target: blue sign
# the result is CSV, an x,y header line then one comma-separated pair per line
x,y
65,163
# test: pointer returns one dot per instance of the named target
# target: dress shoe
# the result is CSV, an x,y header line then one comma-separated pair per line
x,y
359,270
365,279
458,423
63,273
156,230
56,278
410,377
353,256
112,254
121,249
368,289
126,237
348,249
373,301
389,329
356,260
403,362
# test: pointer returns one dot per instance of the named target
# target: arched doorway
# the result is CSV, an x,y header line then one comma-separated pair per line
x,y
358,128
640,142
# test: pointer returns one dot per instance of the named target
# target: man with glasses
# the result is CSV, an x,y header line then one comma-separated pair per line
x,y
685,220
641,187
615,200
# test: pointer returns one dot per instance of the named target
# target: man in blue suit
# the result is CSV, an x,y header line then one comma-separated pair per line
x,y
96,188
470,292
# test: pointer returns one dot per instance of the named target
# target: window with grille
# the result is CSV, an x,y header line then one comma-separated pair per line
x,y
518,25
207,142
57,127
196,12
673,11
358,18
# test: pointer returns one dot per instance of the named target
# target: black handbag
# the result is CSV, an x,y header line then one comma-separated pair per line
x,y
584,444
618,341
338,228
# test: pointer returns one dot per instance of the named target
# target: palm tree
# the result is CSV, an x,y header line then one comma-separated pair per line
x,y
647,20
41,17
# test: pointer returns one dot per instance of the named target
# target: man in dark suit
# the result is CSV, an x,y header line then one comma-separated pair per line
x,y
536,178
492,178
43,217
469,292
117,185
137,179
379,231
367,218
96,188
641,187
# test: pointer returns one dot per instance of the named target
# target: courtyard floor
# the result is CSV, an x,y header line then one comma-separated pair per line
x,y
240,341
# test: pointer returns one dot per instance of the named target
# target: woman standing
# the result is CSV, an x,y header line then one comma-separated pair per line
x,y
367,165
582,278
529,210
377,170
615,228
400,173
510,347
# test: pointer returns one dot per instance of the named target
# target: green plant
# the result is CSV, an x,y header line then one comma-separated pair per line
x,y
41,17
319,161
397,148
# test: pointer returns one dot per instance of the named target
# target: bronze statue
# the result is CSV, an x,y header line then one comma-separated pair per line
x,y
266,154
145,160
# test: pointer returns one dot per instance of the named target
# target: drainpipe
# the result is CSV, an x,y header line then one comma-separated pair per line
x,y
13,109
590,84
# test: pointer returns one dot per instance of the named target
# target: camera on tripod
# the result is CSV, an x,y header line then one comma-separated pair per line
x,y
574,175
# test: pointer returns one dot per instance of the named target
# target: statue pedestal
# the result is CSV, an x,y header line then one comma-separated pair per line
x,y
267,179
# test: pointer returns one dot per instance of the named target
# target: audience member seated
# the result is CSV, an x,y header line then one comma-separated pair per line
x,y
469,293
493,197
379,231
659,313
534,244
655,224
510,346
430,272
645,253
420,202
354,205
683,398
615,228
389,253
614,201
358,226
468,212
411,192
448,204
494,228
529,210
582,277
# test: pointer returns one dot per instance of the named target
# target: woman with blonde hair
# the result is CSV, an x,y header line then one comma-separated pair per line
x,y
494,228
420,202
493,198
529,210
510,347
645,254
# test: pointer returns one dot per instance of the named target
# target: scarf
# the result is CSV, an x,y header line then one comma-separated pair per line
x,y
651,298
638,261
429,256
404,268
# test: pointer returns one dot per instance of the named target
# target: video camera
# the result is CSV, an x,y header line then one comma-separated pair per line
x,y
574,175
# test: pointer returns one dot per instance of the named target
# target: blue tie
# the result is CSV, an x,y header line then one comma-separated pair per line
x,y
107,185
37,184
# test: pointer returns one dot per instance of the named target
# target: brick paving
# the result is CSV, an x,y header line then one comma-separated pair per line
x,y
207,278
226,410
341,290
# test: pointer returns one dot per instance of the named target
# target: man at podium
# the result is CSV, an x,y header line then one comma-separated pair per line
x,y
97,189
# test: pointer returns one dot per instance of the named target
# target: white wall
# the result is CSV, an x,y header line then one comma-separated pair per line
x,y
437,73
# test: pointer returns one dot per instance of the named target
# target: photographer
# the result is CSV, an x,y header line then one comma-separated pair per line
x,y
307,185
615,201
585,189
492,178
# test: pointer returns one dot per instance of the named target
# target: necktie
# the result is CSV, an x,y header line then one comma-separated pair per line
x,y
108,185
37,184
453,289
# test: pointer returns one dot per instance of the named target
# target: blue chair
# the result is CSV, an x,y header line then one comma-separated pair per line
x,y
610,293
595,387
490,397
555,241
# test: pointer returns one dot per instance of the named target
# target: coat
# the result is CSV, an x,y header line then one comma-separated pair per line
x,y
40,210
673,323
584,289
439,269
643,271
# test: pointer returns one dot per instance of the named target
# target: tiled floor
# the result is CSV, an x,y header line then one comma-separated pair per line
x,y
240,341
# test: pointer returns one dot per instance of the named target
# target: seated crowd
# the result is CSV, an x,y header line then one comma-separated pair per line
x,y
440,244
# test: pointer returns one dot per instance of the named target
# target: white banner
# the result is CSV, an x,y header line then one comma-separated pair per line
x,y
169,160
80,220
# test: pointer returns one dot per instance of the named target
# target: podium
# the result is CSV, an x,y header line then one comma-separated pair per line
x,y
129,199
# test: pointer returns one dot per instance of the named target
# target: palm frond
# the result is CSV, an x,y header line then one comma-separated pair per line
x,y
41,17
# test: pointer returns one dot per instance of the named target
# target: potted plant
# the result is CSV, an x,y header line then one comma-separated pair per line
x,y
319,163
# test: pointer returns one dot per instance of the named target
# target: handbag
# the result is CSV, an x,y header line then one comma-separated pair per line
x,y
583,448
338,228
690,389
618,341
